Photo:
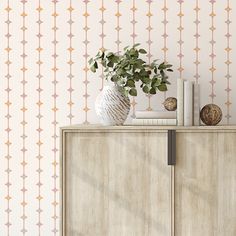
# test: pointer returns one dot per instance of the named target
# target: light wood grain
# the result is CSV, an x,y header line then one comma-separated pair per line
x,y
155,128
116,184
205,184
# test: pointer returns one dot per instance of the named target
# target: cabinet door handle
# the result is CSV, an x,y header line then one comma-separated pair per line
x,y
171,147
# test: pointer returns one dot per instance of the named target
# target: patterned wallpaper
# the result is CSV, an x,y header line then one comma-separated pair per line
x,y
45,81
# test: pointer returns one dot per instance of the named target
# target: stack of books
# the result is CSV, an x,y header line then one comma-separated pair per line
x,y
188,108
188,103
162,117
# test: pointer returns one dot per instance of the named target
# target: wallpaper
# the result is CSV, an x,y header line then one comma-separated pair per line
x,y
46,82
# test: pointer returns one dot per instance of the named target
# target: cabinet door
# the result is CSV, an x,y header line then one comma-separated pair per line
x,y
116,184
205,184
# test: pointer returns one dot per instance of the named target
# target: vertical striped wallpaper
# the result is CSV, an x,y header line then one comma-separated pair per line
x,y
46,82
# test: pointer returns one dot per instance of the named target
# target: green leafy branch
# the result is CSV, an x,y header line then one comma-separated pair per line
x,y
126,69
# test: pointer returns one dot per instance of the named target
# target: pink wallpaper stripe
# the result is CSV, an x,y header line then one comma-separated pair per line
x,y
133,36
8,116
165,35
197,36
228,62
39,117
55,122
70,62
118,28
24,121
180,42
212,55
86,56
149,43
102,36
133,22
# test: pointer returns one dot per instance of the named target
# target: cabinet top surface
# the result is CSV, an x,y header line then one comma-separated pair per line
x,y
148,128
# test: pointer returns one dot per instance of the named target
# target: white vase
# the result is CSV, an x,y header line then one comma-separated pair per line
x,y
112,107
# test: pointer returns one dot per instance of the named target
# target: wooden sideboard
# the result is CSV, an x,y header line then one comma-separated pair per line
x,y
116,181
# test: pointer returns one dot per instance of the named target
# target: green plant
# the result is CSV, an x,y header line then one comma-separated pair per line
x,y
128,68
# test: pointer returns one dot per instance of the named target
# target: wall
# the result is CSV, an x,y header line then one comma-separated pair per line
x,y
45,82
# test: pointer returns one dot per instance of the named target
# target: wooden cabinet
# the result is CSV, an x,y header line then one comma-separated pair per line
x,y
116,182
205,184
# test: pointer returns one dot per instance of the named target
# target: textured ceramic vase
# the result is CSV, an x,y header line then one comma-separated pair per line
x,y
112,107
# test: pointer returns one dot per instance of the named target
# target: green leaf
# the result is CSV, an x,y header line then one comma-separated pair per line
x,y
90,61
132,52
170,70
158,82
143,73
152,91
133,92
136,77
162,73
142,51
162,87
154,80
167,82
130,83
110,54
114,78
93,69
125,92
110,64
119,71
103,62
146,89
168,65
146,80
136,45
115,59
161,66
95,64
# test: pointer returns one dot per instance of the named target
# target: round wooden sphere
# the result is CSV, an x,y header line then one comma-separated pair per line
x,y
170,104
211,114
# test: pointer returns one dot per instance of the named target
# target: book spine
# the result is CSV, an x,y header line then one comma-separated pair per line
x,y
180,102
188,103
196,104
137,122
155,115
154,121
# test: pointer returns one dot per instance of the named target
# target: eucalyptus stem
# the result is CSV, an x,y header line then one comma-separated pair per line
x,y
128,69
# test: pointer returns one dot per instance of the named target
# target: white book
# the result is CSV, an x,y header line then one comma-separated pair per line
x,y
180,102
163,114
188,103
154,121
196,104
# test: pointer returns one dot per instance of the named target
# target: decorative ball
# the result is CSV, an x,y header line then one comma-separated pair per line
x,y
211,114
170,104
